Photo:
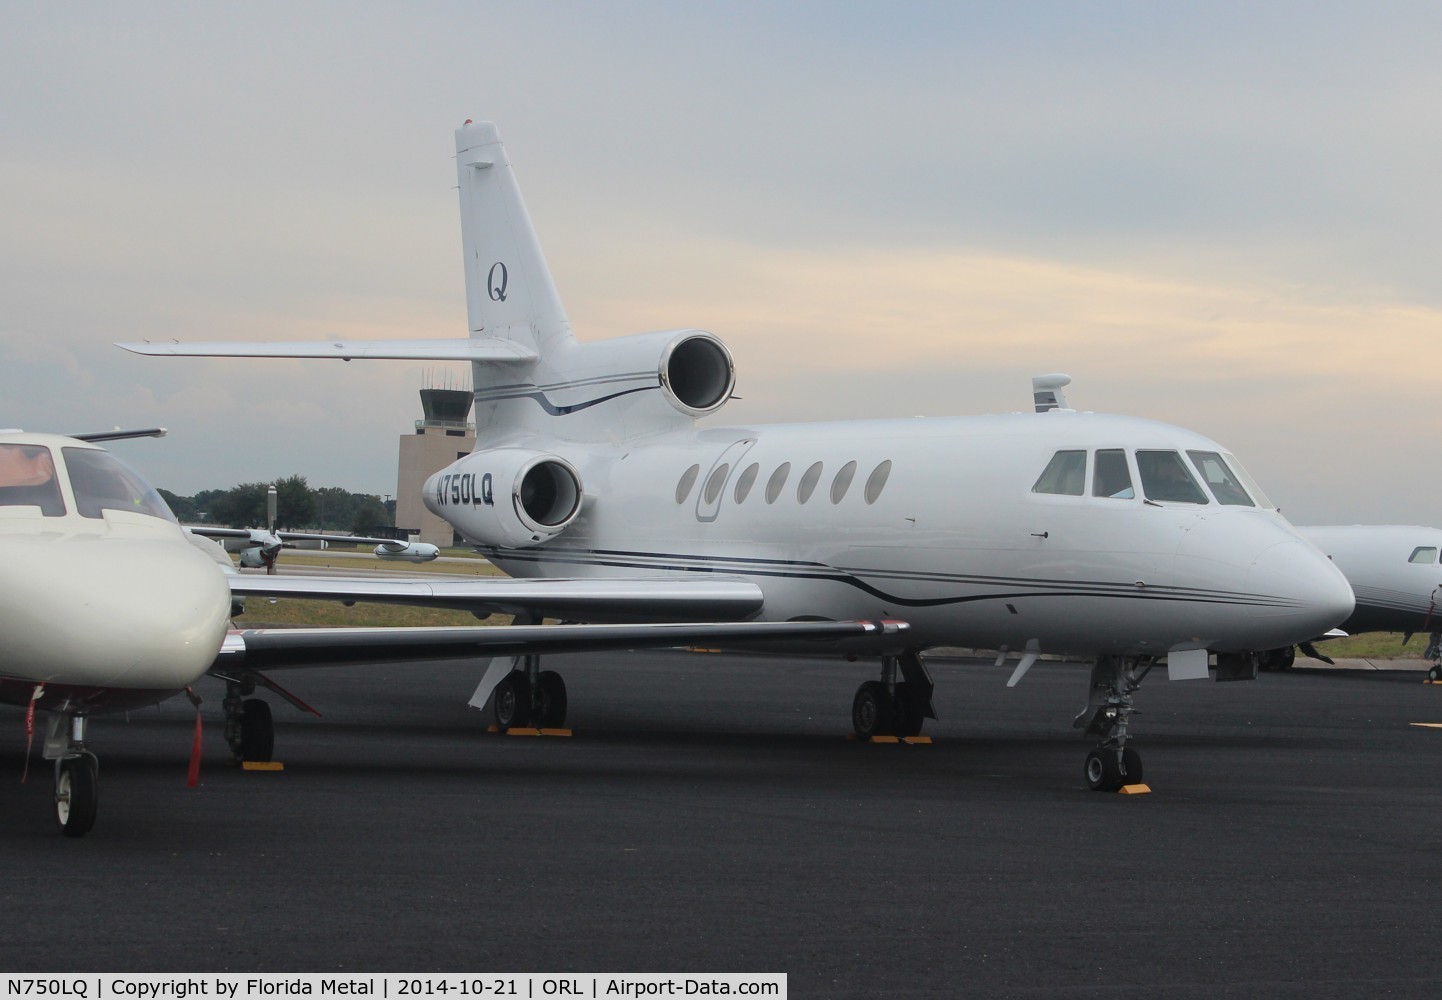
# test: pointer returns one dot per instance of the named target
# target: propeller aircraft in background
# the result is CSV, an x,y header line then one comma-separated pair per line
x,y
259,548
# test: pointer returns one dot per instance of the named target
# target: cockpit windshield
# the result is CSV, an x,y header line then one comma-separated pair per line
x,y
27,479
1165,477
101,482
1219,479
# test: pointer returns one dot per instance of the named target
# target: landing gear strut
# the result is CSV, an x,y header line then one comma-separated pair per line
x,y
530,696
1434,653
77,774
1108,715
889,707
249,729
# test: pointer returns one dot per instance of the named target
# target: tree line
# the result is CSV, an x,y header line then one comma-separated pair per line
x,y
298,507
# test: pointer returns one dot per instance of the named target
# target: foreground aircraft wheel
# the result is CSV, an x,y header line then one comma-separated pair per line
x,y
513,701
907,714
257,732
550,700
1102,771
1435,674
1279,659
1131,767
870,711
76,794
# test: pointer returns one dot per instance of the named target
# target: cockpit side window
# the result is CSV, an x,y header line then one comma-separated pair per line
x,y
1219,479
101,482
27,479
1165,477
1065,475
1424,554
1112,478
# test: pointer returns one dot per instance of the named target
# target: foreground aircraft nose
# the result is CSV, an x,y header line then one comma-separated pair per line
x,y
1304,593
138,613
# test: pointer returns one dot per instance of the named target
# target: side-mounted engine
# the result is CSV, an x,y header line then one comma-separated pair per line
x,y
506,497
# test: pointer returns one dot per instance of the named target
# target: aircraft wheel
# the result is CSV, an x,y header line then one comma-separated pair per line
x,y
512,701
1279,659
1103,774
870,711
1131,767
76,794
1435,674
550,700
257,731
907,715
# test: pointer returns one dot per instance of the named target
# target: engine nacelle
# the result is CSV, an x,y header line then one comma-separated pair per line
x,y
416,552
506,497
697,373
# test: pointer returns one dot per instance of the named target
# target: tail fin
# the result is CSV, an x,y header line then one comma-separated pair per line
x,y
509,292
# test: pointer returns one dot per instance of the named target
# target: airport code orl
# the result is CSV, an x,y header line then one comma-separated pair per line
x,y
238,987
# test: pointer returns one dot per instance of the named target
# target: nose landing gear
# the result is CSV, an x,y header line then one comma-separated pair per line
x,y
1113,764
889,707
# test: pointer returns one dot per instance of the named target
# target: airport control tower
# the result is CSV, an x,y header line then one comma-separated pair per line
x,y
441,436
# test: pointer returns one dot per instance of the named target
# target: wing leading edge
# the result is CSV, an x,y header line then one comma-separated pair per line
x,y
658,600
492,349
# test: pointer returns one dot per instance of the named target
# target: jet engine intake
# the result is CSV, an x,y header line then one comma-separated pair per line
x,y
697,373
506,497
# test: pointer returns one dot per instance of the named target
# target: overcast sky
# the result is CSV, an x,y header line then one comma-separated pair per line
x,y
1221,215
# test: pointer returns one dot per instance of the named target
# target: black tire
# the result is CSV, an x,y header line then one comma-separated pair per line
x,y
257,731
77,794
1435,674
512,701
907,713
871,711
550,700
1279,659
1103,774
1131,767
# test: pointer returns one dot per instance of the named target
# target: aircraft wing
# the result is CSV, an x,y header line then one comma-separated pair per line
x,y
271,649
476,349
657,600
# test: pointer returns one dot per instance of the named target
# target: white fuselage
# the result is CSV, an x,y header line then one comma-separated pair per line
x,y
1394,571
107,610
954,541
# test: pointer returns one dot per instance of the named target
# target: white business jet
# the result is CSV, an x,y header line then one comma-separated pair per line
x,y
107,604
1113,538
260,548
1396,576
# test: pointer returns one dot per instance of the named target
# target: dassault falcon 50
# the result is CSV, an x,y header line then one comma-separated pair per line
x,y
1117,539
106,604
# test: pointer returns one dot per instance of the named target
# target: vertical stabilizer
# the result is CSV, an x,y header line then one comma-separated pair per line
x,y
509,292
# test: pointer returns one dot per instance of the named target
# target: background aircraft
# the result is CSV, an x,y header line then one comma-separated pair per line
x,y
259,548
1396,577
1121,540
107,604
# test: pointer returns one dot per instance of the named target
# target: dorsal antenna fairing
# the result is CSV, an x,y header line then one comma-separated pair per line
x,y
1046,392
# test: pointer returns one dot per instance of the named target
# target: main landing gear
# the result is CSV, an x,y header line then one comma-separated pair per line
x,y
1434,653
1108,713
249,729
530,696
888,707
77,774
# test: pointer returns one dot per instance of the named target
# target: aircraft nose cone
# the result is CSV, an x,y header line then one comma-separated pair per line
x,y
1299,589
138,613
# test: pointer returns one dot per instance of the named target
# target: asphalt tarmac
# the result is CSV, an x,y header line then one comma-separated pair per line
x,y
709,814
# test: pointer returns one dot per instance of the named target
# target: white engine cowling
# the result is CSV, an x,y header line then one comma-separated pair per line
x,y
416,552
507,497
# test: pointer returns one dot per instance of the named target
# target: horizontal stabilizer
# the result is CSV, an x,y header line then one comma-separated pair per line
x,y
270,649
476,349
578,600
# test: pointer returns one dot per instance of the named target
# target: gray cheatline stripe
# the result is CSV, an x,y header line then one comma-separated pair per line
x,y
818,571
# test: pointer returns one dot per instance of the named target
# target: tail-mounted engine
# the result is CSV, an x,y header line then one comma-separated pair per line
x,y
506,497
697,373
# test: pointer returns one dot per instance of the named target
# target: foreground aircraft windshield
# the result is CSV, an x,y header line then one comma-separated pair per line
x,y
27,479
102,482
